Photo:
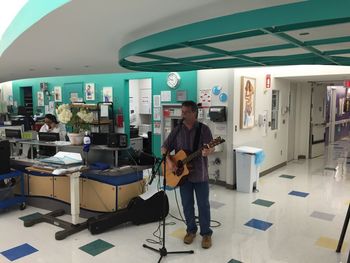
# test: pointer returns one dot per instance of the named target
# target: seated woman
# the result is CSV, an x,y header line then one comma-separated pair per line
x,y
52,125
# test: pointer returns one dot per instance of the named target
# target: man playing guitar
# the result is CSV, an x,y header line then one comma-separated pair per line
x,y
189,136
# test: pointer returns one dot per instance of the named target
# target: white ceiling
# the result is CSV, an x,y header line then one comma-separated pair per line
x,y
84,36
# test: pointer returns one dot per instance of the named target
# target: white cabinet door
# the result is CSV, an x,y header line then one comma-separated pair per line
x,y
145,101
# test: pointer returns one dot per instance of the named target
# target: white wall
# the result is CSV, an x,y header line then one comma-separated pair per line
x,y
6,91
274,143
206,80
134,98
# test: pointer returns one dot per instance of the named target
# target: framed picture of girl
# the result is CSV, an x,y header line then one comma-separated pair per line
x,y
248,89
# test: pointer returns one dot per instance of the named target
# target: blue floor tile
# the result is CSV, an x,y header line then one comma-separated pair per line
x,y
19,252
297,193
258,224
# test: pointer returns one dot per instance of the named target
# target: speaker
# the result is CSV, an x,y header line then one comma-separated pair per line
x,y
117,140
99,138
5,157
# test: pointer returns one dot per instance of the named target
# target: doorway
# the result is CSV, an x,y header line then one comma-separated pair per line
x,y
27,99
292,120
317,120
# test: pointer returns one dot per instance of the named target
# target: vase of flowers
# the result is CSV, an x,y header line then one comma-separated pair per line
x,y
78,119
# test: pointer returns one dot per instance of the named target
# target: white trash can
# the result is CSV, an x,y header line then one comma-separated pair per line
x,y
247,169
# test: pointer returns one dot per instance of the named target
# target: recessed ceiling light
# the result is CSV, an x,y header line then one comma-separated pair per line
x,y
304,33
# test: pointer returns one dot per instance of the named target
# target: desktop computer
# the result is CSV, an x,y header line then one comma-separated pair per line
x,y
48,137
5,156
13,133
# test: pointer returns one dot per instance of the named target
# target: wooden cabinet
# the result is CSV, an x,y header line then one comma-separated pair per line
x,y
98,196
61,188
40,185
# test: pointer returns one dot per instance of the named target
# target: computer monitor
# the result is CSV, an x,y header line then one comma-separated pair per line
x,y
13,133
49,136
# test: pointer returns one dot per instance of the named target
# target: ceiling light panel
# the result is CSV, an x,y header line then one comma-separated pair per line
x,y
249,42
181,53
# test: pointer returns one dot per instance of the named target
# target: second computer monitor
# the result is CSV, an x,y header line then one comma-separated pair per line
x,y
49,136
13,133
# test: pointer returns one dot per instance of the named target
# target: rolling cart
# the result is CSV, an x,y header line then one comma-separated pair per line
x,y
7,198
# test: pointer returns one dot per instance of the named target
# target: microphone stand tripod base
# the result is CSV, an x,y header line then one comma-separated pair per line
x,y
163,251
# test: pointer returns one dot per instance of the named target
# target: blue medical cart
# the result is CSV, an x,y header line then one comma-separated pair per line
x,y
13,200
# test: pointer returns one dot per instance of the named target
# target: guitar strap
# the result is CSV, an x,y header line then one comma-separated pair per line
x,y
196,137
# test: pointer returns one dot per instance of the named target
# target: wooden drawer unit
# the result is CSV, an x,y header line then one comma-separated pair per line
x,y
40,185
61,188
128,191
98,196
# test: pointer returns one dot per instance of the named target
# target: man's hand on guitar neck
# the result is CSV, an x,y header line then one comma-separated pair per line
x,y
206,150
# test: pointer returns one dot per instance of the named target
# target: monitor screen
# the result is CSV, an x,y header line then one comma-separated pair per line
x,y
49,136
13,133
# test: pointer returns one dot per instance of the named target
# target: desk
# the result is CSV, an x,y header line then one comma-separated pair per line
x,y
61,145
69,228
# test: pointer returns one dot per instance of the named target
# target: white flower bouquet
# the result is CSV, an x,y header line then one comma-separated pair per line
x,y
78,119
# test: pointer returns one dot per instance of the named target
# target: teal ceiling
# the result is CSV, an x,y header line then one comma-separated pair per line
x,y
310,32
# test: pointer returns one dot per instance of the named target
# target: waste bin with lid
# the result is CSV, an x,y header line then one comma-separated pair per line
x,y
248,160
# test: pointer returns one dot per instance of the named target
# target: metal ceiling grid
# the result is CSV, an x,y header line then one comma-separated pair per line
x,y
321,37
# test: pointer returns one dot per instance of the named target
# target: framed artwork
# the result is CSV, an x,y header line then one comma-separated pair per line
x,y
248,90
89,91
107,94
40,97
57,93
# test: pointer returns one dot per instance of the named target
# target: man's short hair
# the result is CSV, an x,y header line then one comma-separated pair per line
x,y
192,104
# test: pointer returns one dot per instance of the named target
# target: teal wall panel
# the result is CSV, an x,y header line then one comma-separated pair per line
x,y
120,85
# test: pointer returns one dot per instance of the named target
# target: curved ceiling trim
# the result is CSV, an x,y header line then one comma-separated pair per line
x,y
31,13
212,43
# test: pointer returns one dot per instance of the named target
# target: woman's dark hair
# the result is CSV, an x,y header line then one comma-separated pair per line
x,y
51,118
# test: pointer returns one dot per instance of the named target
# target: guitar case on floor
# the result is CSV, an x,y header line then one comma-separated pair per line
x,y
139,212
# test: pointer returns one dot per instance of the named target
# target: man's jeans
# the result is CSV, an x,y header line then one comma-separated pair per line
x,y
202,197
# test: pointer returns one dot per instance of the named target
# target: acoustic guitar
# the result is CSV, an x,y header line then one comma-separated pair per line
x,y
174,179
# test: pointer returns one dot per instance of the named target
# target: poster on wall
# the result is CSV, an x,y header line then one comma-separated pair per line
x,y
57,93
247,102
107,94
156,127
89,91
40,97
205,97
156,114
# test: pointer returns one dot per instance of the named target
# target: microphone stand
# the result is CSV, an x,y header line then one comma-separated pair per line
x,y
163,251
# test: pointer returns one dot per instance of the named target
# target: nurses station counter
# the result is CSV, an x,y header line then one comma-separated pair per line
x,y
99,190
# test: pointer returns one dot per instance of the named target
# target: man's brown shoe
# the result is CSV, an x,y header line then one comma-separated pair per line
x,y
206,242
188,239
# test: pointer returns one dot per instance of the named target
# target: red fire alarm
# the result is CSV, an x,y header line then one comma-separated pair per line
x,y
347,83
268,81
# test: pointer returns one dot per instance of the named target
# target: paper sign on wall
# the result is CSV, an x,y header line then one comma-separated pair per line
x,y
205,97
165,95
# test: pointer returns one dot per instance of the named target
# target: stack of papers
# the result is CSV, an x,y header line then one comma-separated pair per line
x,y
64,158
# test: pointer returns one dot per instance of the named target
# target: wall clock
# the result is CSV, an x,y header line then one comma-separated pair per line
x,y
173,80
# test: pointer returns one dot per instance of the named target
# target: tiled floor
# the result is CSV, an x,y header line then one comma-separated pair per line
x,y
295,228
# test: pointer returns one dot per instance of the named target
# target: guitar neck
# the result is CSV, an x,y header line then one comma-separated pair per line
x,y
192,156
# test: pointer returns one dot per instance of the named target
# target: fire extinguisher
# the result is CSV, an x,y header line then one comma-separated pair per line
x,y
120,118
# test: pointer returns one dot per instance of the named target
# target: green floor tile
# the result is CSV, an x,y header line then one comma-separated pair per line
x,y
30,217
234,261
287,176
96,247
263,202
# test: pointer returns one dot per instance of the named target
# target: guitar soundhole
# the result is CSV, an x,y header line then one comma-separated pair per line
x,y
180,168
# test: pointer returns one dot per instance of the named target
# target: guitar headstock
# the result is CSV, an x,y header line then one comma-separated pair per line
x,y
216,141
